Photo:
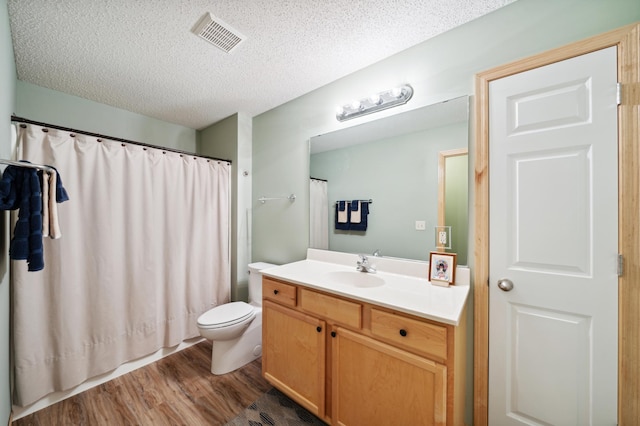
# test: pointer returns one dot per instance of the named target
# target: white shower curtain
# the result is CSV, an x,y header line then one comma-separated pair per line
x,y
144,251
318,214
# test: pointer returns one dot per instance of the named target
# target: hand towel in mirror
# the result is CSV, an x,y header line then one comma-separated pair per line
x,y
355,212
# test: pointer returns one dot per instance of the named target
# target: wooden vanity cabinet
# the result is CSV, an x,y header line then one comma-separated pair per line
x,y
352,363
294,358
376,383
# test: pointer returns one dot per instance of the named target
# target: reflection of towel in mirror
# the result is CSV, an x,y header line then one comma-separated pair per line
x,y
343,212
362,225
342,215
355,216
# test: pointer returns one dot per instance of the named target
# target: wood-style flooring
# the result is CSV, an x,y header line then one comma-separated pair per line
x,y
176,390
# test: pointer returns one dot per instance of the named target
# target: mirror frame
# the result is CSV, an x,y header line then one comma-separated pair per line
x,y
442,185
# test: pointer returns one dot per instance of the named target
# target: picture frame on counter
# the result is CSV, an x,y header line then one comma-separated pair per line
x,y
442,268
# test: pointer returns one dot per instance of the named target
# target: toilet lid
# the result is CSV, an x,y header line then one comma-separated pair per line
x,y
226,314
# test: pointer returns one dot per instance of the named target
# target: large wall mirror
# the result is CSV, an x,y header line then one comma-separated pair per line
x,y
413,167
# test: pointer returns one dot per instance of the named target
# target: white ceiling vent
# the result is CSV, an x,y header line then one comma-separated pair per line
x,y
218,33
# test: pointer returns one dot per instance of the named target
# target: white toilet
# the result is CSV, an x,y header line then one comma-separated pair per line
x,y
236,328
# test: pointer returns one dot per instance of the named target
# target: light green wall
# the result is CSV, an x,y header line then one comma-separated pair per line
x,y
400,175
231,139
53,107
7,103
438,69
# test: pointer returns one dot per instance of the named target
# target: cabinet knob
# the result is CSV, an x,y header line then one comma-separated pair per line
x,y
403,332
275,291
319,329
333,334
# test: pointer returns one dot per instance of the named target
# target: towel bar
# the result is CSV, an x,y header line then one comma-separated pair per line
x,y
370,201
291,198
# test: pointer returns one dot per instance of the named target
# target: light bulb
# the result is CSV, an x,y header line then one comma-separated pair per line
x,y
375,99
396,92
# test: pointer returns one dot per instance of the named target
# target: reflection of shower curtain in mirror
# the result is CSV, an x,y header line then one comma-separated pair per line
x,y
318,214
144,251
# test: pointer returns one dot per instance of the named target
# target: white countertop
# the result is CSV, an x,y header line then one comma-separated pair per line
x,y
404,286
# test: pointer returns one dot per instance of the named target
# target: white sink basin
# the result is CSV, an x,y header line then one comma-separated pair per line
x,y
356,278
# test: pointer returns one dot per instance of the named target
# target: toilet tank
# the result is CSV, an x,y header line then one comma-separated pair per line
x,y
255,281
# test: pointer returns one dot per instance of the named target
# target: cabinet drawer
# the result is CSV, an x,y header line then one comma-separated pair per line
x,y
426,338
277,291
331,308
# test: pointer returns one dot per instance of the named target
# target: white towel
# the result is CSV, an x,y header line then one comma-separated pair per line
x,y
343,215
45,203
355,214
54,225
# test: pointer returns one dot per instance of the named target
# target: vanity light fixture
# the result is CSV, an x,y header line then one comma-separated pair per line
x,y
376,102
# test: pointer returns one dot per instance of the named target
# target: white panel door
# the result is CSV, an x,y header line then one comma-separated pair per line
x,y
554,238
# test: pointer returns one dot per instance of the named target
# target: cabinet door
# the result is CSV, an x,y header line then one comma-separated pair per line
x,y
293,355
375,383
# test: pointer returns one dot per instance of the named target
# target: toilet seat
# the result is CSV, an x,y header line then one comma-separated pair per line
x,y
226,315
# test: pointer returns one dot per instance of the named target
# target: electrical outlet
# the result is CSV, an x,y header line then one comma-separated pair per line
x,y
421,225
442,238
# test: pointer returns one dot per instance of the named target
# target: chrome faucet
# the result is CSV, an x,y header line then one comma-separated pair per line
x,y
363,265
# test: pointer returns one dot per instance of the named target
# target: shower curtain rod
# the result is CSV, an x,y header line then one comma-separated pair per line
x,y
97,135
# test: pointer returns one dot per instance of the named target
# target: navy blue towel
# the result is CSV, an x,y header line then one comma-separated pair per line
x,y
61,193
340,207
20,188
364,211
10,184
351,206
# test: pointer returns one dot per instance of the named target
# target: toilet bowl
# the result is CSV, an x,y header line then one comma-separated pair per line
x,y
235,328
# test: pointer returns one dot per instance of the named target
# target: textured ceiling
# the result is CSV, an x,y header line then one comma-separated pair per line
x,y
141,56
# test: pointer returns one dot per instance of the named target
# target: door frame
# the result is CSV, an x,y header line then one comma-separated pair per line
x,y
442,188
627,41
